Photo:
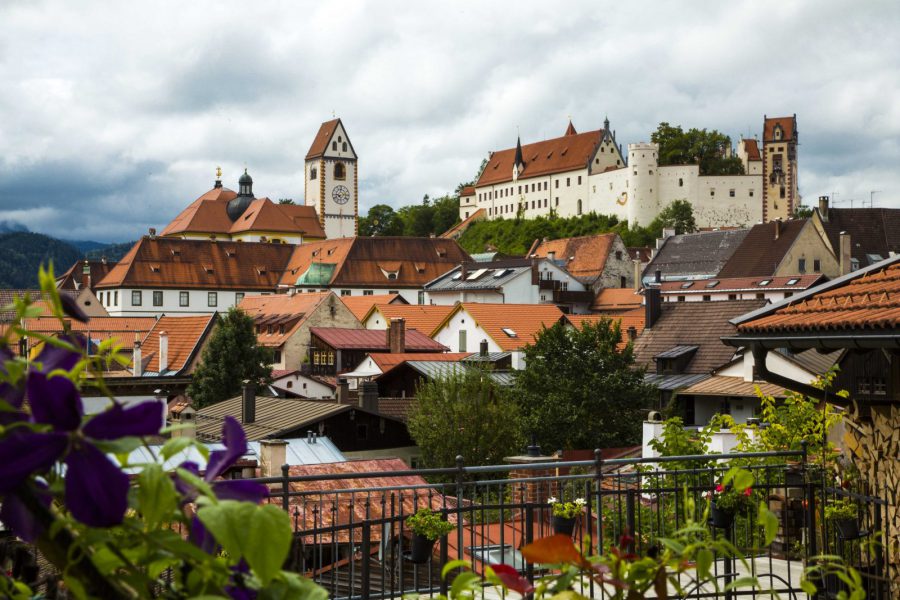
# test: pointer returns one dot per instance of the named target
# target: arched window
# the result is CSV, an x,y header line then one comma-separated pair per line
x,y
579,206
344,146
339,171
313,173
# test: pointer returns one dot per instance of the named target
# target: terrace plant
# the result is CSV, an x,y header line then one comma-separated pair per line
x,y
112,528
567,510
429,524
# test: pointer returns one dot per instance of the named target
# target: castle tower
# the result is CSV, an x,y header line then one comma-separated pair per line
x,y
642,205
779,155
331,180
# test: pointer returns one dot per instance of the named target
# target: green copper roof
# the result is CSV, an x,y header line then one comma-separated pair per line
x,y
317,274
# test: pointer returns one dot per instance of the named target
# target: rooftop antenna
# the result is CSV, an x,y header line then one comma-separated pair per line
x,y
872,197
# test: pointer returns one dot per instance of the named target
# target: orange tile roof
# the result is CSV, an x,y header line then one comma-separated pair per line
x,y
361,305
284,313
365,261
206,214
557,155
203,264
616,299
186,335
320,142
868,301
585,257
424,317
633,318
526,320
123,329
468,190
727,284
387,361
788,127
265,215
751,147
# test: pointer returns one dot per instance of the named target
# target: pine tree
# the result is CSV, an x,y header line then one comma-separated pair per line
x,y
231,358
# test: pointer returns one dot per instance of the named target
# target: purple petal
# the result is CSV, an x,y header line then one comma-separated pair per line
x,y
53,357
186,490
70,308
241,490
201,537
235,447
117,422
54,401
16,515
96,489
23,454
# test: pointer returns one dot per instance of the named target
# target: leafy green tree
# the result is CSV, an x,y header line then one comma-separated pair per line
x,y
381,220
696,147
803,212
231,358
285,201
678,215
465,414
578,391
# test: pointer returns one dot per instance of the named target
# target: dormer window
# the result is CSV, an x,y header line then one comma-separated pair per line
x,y
261,270
154,268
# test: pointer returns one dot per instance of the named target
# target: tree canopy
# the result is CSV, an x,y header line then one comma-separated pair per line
x,y
431,217
231,357
578,391
679,215
465,414
696,147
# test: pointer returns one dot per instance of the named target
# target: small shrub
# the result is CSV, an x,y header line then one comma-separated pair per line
x,y
429,524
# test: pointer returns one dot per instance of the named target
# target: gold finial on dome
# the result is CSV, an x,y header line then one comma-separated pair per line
x,y
218,172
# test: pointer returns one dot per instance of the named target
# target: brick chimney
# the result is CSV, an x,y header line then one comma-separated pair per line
x,y
368,396
272,454
823,208
637,275
163,352
845,253
397,335
248,403
652,306
137,365
86,275
530,491
777,228
483,348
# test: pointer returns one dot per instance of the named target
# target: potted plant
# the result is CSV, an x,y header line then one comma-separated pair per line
x,y
844,514
427,527
565,514
726,501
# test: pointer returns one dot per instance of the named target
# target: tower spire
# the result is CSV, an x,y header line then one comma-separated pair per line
x,y
570,130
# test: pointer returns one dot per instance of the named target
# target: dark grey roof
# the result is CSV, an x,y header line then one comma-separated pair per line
x,y
694,255
490,357
437,370
480,276
812,360
677,351
673,382
873,231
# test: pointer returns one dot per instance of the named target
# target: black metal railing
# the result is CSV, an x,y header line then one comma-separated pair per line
x,y
351,534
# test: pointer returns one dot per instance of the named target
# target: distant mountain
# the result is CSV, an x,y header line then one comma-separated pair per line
x,y
113,252
87,245
8,226
21,253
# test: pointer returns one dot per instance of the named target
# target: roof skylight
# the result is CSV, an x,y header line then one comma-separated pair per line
x,y
510,332
685,286
457,277
764,282
792,281
712,283
475,275
498,273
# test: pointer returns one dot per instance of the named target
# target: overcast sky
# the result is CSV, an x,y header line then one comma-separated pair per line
x,y
114,115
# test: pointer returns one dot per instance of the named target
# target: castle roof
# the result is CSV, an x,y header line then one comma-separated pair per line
x,y
788,128
751,147
320,142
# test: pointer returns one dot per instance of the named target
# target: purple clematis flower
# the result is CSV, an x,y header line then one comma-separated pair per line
x,y
96,489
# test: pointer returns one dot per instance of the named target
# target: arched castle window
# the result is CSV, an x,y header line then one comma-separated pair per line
x,y
778,132
339,171
344,146
313,173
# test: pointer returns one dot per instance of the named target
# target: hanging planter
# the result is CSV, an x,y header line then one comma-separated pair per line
x,y
422,549
845,516
848,529
720,517
565,515
427,528
564,525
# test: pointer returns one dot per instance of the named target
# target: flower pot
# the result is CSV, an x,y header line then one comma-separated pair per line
x,y
563,525
723,519
848,529
421,550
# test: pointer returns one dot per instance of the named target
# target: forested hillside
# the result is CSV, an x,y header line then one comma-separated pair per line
x,y
21,253
113,252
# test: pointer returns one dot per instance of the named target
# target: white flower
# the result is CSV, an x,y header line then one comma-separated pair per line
x,y
552,500
579,502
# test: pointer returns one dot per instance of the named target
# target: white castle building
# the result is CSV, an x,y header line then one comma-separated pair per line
x,y
580,173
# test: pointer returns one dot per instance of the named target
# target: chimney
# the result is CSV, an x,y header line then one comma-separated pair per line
x,y
343,391
846,258
397,336
637,275
248,403
86,275
668,232
632,332
137,366
823,208
163,352
652,306
777,228
272,454
153,233
368,396
657,276
464,270
483,348
539,484
551,255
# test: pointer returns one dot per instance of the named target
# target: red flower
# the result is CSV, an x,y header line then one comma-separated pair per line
x,y
720,488
748,491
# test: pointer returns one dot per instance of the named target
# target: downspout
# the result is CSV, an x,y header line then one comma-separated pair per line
x,y
759,361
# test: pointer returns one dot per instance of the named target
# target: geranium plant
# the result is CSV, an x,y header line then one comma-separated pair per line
x,y
429,524
734,494
567,510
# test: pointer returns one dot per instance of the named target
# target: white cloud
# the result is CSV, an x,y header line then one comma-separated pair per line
x,y
117,114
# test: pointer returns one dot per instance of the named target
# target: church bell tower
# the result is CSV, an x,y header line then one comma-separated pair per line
x,y
331,180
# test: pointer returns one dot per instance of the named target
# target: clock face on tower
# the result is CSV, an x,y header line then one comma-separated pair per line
x,y
340,194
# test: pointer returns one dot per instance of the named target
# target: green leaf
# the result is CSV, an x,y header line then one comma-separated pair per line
x,y
463,582
769,521
125,445
704,562
742,480
455,564
228,521
807,586
173,446
268,539
156,495
742,582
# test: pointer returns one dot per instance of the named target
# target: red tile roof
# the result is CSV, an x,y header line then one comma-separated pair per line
x,y
203,264
71,279
788,127
206,214
424,317
585,257
361,305
616,299
123,329
367,261
283,314
869,301
751,147
373,339
742,284
761,251
557,155
525,320
387,361
633,318
320,142
186,336
468,190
